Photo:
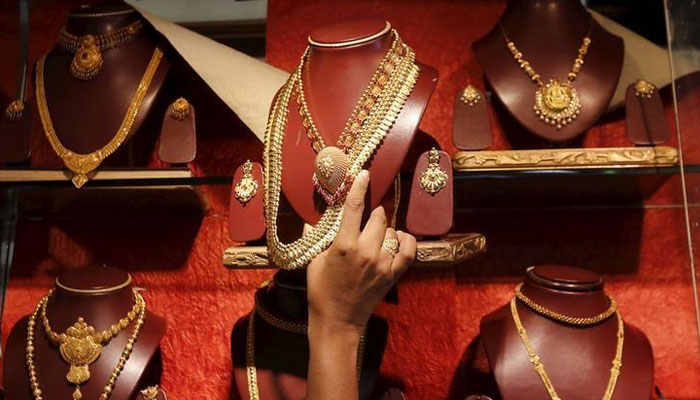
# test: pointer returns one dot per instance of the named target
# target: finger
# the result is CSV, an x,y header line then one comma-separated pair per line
x,y
386,257
375,230
354,205
406,255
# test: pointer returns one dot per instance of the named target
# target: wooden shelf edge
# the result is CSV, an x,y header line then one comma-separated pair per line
x,y
31,175
582,158
450,250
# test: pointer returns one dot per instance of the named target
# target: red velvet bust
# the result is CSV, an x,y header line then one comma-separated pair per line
x,y
101,311
549,34
334,79
282,357
577,360
87,114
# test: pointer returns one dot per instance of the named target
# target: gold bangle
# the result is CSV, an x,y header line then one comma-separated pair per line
x,y
577,321
95,291
354,42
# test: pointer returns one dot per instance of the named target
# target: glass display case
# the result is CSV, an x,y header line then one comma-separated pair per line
x,y
612,195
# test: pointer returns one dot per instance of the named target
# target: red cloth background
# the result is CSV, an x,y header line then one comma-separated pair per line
x,y
641,248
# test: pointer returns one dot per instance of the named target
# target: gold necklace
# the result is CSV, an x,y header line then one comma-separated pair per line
x,y
556,103
83,164
539,366
87,49
332,162
578,321
81,345
383,114
283,324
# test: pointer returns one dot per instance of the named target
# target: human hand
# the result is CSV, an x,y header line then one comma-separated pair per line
x,y
347,281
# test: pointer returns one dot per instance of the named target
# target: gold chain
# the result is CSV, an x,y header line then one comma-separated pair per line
x,y
81,345
578,321
539,366
382,116
556,103
277,322
83,164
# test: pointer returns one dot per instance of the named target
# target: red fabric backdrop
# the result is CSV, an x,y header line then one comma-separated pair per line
x,y
177,258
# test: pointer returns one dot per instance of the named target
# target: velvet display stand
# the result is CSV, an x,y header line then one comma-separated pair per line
x,y
281,357
101,310
87,114
549,34
577,359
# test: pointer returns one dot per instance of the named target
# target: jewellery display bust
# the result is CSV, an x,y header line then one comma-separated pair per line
x,y
86,113
334,79
577,358
281,357
549,33
101,296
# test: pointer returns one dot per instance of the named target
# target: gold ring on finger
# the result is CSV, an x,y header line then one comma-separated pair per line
x,y
391,245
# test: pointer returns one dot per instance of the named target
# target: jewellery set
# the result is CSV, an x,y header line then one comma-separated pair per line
x,y
556,102
284,324
580,322
87,60
336,167
81,345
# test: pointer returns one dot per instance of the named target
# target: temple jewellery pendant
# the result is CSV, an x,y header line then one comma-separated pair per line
x,y
247,187
433,179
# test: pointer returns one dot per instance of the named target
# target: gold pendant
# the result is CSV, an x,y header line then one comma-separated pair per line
x,y
87,61
331,169
79,348
247,187
433,179
556,103
80,165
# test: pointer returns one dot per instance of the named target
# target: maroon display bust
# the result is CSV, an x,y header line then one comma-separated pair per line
x,y
549,34
102,296
565,350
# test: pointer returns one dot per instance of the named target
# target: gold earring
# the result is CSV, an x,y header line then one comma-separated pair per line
x,y
433,179
644,88
470,96
247,187
180,109
14,110
152,392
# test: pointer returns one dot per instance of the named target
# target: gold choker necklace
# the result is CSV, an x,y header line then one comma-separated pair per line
x,y
285,325
577,321
83,164
87,49
556,103
538,365
81,345
391,97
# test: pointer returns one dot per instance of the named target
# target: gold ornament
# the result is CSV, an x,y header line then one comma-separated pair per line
x,y
644,88
433,179
280,323
391,246
180,109
470,96
81,165
14,110
538,365
247,187
556,103
332,162
577,321
87,60
151,393
392,94
81,345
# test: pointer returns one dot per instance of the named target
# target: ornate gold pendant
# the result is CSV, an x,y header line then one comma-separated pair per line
x,y
87,61
331,169
79,348
81,165
557,103
433,179
247,187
